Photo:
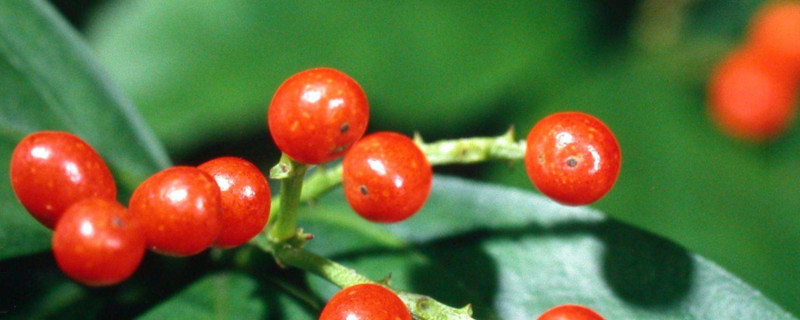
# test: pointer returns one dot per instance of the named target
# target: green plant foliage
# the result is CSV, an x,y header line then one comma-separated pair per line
x,y
213,65
49,81
216,296
509,252
682,178
513,254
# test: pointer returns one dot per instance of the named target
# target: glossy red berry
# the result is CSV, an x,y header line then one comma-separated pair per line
x,y
365,301
776,30
179,209
245,198
570,312
97,243
750,98
572,157
317,114
386,177
52,170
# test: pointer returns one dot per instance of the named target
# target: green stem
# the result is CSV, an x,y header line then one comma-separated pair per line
x,y
472,150
329,270
283,222
320,182
422,307
285,241
458,151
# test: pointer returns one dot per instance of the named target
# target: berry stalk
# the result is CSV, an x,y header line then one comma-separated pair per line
x,y
285,242
473,150
283,221
421,307
456,151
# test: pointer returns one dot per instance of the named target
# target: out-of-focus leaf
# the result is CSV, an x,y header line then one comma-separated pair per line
x,y
682,177
207,69
49,81
32,287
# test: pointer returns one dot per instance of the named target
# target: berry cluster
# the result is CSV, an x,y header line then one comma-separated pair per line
x,y
180,211
315,116
753,92
319,114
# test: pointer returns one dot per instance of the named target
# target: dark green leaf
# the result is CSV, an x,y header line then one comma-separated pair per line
x,y
681,177
513,254
229,296
425,65
48,81
32,287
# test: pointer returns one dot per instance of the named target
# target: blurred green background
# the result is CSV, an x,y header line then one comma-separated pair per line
x,y
203,71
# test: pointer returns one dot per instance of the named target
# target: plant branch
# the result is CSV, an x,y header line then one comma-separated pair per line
x,y
472,150
285,241
422,307
457,151
283,222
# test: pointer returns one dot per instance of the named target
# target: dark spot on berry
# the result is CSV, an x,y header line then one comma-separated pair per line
x,y
363,189
572,162
345,126
540,158
117,222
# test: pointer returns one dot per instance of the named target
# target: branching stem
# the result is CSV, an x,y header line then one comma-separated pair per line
x,y
422,307
283,222
285,241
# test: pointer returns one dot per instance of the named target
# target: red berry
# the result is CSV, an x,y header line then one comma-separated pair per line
x,y
572,157
386,177
97,243
179,209
317,114
365,301
246,199
52,170
776,30
750,98
570,312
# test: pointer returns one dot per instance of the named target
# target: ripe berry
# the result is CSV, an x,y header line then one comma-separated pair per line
x,y
386,177
365,301
52,170
317,114
245,199
97,243
570,312
179,210
750,98
776,30
572,157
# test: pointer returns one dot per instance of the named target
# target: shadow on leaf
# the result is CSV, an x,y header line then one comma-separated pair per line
x,y
461,272
644,269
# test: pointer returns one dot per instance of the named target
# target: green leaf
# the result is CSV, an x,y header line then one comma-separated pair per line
x,y
229,296
732,202
48,81
32,287
213,65
514,254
